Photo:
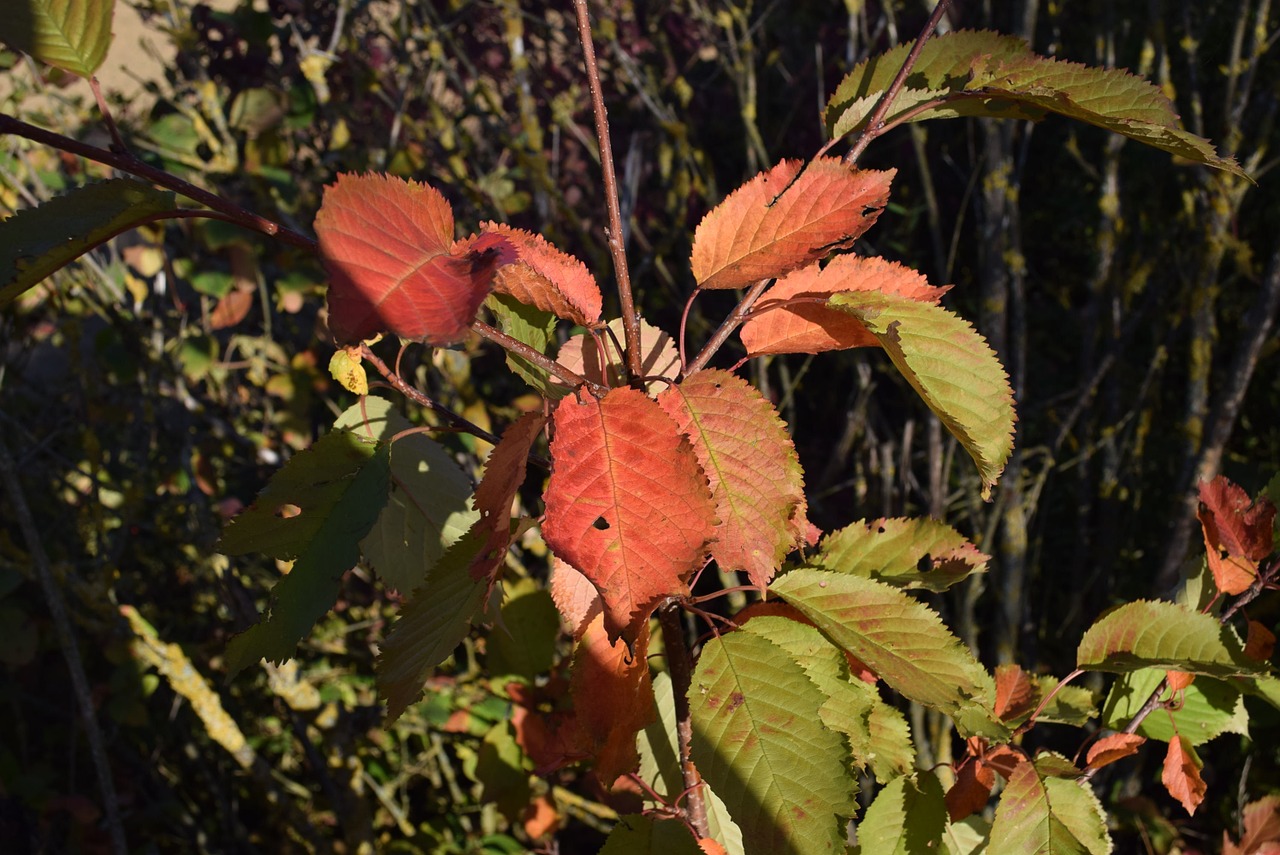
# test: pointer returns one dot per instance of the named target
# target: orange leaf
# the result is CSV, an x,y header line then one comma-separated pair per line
x,y
393,263
1237,533
1181,776
612,697
1179,680
232,308
1261,820
574,595
709,846
547,277
504,472
540,817
785,218
756,482
775,327
1111,748
1015,693
1261,642
626,504
969,794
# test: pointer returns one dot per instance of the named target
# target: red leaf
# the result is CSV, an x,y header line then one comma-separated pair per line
x,y
1237,533
1181,776
785,218
612,697
755,476
812,327
504,472
546,277
393,263
574,595
1111,748
540,817
1003,759
626,503
969,794
1015,693
1261,642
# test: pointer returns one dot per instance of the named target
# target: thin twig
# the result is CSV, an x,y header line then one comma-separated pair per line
x,y
875,122
67,643
130,164
678,663
539,359
630,319
117,142
731,323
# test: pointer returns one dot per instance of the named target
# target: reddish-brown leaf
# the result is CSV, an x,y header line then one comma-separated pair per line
x,y
776,327
627,503
546,277
232,308
1179,680
1004,759
574,595
1015,693
540,817
969,794
1181,776
504,472
709,846
1261,820
612,697
785,218
393,263
756,481
1111,748
1260,643
1237,533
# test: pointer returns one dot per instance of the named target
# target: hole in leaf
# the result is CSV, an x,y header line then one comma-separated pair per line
x,y
925,564
601,524
288,511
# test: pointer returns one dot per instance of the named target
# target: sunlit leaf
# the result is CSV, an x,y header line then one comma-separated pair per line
x,y
908,817
527,325
546,277
1205,709
575,597
71,34
315,510
1048,816
35,242
1109,749
1237,533
394,266
785,218
1181,775
756,482
627,503
950,366
907,553
759,742
582,355
1155,634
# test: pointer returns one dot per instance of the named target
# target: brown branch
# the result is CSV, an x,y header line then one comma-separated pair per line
x,y
731,323
875,122
681,668
630,319
130,164
541,360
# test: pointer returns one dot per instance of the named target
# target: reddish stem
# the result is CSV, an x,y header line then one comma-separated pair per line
x,y
731,323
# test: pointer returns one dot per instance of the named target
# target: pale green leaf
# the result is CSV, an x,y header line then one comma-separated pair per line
x,y
967,837
643,835
532,326
72,34
314,510
759,742
35,242
660,766
434,621
908,817
429,507
903,641
1048,816
950,365
1206,708
1156,634
907,553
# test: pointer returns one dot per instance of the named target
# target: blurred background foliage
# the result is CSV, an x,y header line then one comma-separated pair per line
x,y
150,390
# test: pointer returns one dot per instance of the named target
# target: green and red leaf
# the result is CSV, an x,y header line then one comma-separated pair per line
x,y
1041,813
776,326
786,218
1156,634
394,266
627,503
756,482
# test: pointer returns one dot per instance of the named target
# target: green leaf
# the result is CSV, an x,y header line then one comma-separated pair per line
x,y
314,510
658,748
906,553
502,770
759,742
523,641
986,74
967,837
950,365
903,641
429,507
1074,705
532,326
37,241
72,34
433,622
1155,634
642,835
1207,708
908,817
1048,816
